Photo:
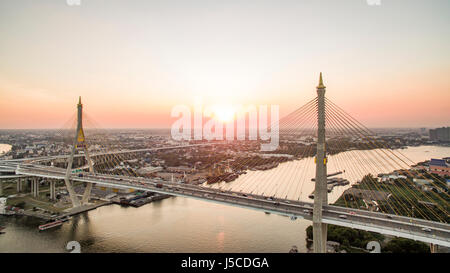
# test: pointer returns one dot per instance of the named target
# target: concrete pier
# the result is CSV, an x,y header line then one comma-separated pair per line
x,y
35,187
53,189
19,185
433,248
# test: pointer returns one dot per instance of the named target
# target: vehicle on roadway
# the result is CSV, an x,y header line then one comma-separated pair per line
x,y
426,229
352,213
388,216
159,185
342,216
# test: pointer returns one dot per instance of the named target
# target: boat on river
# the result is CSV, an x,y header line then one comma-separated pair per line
x,y
53,224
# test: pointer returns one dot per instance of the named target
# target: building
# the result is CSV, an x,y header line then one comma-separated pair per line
x,y
423,184
149,170
390,178
180,169
369,195
439,167
440,134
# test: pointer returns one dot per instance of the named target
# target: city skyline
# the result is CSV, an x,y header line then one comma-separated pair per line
x,y
133,62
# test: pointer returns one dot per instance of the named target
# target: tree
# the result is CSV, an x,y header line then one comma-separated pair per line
x,y
401,245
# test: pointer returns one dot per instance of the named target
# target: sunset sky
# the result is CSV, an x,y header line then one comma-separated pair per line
x,y
132,61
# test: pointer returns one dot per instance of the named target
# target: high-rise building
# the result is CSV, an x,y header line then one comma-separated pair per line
x,y
440,134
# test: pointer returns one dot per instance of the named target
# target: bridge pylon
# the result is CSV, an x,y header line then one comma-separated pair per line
x,y
79,142
320,191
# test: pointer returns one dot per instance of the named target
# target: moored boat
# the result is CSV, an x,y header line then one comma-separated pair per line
x,y
50,225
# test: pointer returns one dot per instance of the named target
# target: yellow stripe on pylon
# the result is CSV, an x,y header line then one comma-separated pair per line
x,y
80,137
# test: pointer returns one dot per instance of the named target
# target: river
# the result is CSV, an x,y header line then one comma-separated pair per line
x,y
186,225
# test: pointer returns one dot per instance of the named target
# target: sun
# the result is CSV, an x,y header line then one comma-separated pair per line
x,y
224,113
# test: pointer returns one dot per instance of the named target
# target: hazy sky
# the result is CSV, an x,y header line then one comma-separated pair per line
x,y
132,61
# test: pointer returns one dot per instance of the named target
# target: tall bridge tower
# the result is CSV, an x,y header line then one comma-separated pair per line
x,y
79,142
320,191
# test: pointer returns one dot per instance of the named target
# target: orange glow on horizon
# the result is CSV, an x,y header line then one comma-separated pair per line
x,y
131,63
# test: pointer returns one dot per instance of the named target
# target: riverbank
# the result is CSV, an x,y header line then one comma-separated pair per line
x,y
43,208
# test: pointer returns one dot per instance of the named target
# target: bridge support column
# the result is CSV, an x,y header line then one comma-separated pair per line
x,y
26,185
320,191
433,248
32,186
19,185
52,189
88,189
35,187
87,194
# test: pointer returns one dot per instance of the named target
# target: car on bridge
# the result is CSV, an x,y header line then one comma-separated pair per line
x,y
426,229
342,216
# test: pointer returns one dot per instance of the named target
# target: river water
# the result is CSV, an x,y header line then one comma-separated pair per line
x,y
186,225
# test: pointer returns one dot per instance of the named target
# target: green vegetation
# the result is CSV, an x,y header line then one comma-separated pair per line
x,y
407,199
348,238
28,202
355,241
401,245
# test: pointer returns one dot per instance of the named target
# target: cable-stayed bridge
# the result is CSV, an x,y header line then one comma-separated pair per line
x,y
403,210
406,227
